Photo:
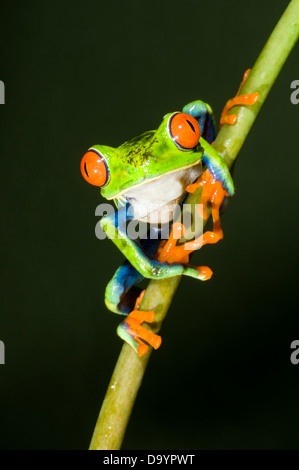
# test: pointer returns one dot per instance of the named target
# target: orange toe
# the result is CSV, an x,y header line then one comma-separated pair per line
x,y
142,349
238,100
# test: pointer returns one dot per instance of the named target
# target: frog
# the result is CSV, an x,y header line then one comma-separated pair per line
x,y
146,177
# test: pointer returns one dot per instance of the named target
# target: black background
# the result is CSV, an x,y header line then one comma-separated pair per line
x,y
77,74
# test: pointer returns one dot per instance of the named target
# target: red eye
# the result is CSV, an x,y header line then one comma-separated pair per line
x,y
185,130
94,169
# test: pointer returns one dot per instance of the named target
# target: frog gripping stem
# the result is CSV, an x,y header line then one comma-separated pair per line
x,y
173,153
130,369
238,100
131,330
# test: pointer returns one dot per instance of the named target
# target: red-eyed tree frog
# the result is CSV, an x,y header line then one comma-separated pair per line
x,y
156,170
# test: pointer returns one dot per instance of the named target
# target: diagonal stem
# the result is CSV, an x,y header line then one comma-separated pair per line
x,y
128,373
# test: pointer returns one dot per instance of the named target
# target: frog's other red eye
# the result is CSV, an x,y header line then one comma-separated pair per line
x,y
94,168
184,130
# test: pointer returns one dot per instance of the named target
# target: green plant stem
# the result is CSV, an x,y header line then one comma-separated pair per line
x,y
128,373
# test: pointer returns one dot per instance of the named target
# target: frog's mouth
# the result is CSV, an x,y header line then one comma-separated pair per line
x,y
157,200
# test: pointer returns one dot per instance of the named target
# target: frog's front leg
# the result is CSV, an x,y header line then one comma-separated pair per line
x,y
215,180
216,183
115,227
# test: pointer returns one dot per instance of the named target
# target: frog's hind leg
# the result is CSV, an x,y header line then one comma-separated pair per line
x,y
121,292
122,296
203,113
131,330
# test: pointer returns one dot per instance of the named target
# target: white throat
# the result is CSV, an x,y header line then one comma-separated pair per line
x,y
156,201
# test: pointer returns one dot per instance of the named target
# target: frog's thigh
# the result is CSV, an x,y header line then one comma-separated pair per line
x,y
121,292
138,256
120,295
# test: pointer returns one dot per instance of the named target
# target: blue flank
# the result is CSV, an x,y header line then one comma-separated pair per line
x,y
220,173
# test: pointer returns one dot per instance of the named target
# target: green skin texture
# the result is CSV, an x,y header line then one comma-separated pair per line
x,y
144,158
150,156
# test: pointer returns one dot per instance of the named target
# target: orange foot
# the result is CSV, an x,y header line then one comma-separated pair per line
x,y
237,101
133,333
213,193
